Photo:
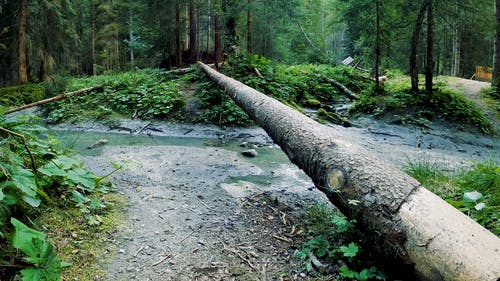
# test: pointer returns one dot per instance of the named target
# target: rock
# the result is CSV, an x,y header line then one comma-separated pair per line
x,y
244,144
98,143
250,153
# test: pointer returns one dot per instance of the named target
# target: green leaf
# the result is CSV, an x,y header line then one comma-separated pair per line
x,y
24,180
65,162
23,237
82,177
51,169
346,272
342,224
350,251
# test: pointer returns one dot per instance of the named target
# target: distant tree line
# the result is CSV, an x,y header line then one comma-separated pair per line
x,y
42,38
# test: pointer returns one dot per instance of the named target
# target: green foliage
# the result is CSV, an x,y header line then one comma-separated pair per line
x,y
333,238
29,186
476,192
420,108
39,253
141,94
19,95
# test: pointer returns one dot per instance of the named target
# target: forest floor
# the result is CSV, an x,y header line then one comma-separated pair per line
x,y
200,210
471,89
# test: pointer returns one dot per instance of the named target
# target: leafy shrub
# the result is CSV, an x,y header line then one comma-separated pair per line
x,y
141,94
20,95
33,176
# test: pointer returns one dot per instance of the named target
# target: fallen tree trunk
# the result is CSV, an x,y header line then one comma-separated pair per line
x,y
182,71
405,221
56,98
343,89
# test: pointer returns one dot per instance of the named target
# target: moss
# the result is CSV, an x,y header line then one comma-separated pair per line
x,y
82,244
333,118
22,94
312,103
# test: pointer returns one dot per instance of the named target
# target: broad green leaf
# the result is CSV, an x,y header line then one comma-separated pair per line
x,y
350,251
47,264
50,169
82,177
25,181
346,272
65,162
23,238
32,201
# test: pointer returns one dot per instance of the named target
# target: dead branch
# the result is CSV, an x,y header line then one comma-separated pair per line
x,y
342,89
56,98
25,143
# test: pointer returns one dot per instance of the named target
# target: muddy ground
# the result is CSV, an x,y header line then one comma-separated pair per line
x,y
200,210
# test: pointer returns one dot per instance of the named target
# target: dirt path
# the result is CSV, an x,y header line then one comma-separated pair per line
x,y
471,89
185,221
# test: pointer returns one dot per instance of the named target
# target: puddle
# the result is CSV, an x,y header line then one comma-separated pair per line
x,y
277,172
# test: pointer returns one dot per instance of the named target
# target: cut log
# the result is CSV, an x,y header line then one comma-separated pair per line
x,y
56,98
402,219
342,89
182,71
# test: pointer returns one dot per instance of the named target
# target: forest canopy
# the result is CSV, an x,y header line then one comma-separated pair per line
x,y
43,38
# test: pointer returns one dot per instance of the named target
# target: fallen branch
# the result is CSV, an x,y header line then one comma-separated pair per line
x,y
25,143
161,260
238,254
56,98
343,89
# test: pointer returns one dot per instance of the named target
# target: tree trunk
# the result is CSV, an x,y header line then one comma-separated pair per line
x,y
495,82
404,220
131,40
93,32
21,42
193,33
377,44
414,46
209,24
231,38
178,38
217,41
249,27
430,49
455,67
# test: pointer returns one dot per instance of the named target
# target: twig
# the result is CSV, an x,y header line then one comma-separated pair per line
x,y
23,138
138,251
161,260
185,238
239,256
321,268
205,204
143,128
282,238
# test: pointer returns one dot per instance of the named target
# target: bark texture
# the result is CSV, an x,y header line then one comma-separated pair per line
x,y
56,98
21,42
414,45
429,73
495,83
249,27
406,221
193,32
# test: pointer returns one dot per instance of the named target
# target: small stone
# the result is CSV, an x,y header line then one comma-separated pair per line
x,y
121,251
250,153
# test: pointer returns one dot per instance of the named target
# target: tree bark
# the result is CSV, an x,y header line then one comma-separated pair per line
x,y
343,89
249,27
495,82
414,45
217,41
429,73
93,34
56,98
377,44
21,42
193,32
455,67
404,220
178,38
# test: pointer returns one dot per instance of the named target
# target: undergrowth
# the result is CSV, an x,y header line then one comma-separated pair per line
x,y
334,239
420,108
143,94
474,191
38,178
